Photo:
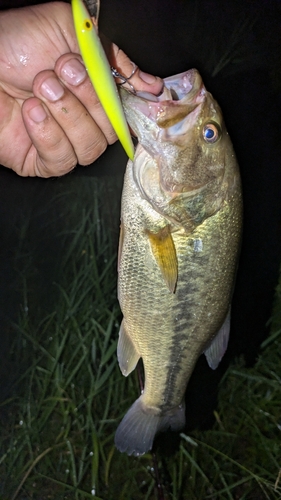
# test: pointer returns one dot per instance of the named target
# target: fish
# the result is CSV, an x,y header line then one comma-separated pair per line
x,y
181,223
99,71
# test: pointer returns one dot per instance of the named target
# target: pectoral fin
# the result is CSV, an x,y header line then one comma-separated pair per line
x,y
126,352
218,346
163,249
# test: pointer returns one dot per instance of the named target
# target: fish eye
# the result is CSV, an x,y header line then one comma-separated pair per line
x,y
87,24
211,133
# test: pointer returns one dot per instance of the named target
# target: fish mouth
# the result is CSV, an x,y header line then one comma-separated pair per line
x,y
176,87
181,94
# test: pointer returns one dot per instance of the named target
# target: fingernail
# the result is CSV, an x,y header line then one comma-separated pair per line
x,y
73,72
37,114
147,78
51,89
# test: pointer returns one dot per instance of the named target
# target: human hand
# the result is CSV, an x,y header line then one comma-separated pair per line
x,y
50,117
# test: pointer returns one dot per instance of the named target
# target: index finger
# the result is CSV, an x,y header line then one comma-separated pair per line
x,y
141,81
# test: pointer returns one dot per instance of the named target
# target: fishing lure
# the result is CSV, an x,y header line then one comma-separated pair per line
x,y
99,71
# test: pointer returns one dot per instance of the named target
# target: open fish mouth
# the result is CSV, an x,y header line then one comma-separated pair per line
x,y
181,94
176,87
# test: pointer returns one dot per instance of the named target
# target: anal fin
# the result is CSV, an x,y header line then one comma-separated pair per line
x,y
126,352
218,346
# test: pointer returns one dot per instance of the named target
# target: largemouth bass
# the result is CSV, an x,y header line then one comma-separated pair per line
x,y
180,236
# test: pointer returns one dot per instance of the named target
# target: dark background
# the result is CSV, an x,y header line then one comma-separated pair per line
x,y
237,48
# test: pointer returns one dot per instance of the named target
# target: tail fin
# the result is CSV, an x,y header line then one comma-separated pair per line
x,y
136,432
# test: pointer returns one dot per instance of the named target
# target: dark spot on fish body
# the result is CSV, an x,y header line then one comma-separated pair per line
x,y
173,392
183,321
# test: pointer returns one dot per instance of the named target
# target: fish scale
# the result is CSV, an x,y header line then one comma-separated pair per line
x,y
178,257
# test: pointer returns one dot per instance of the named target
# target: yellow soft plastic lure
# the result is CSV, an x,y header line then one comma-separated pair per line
x,y
100,73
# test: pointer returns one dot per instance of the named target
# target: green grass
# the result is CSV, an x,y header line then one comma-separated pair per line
x,y
58,426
